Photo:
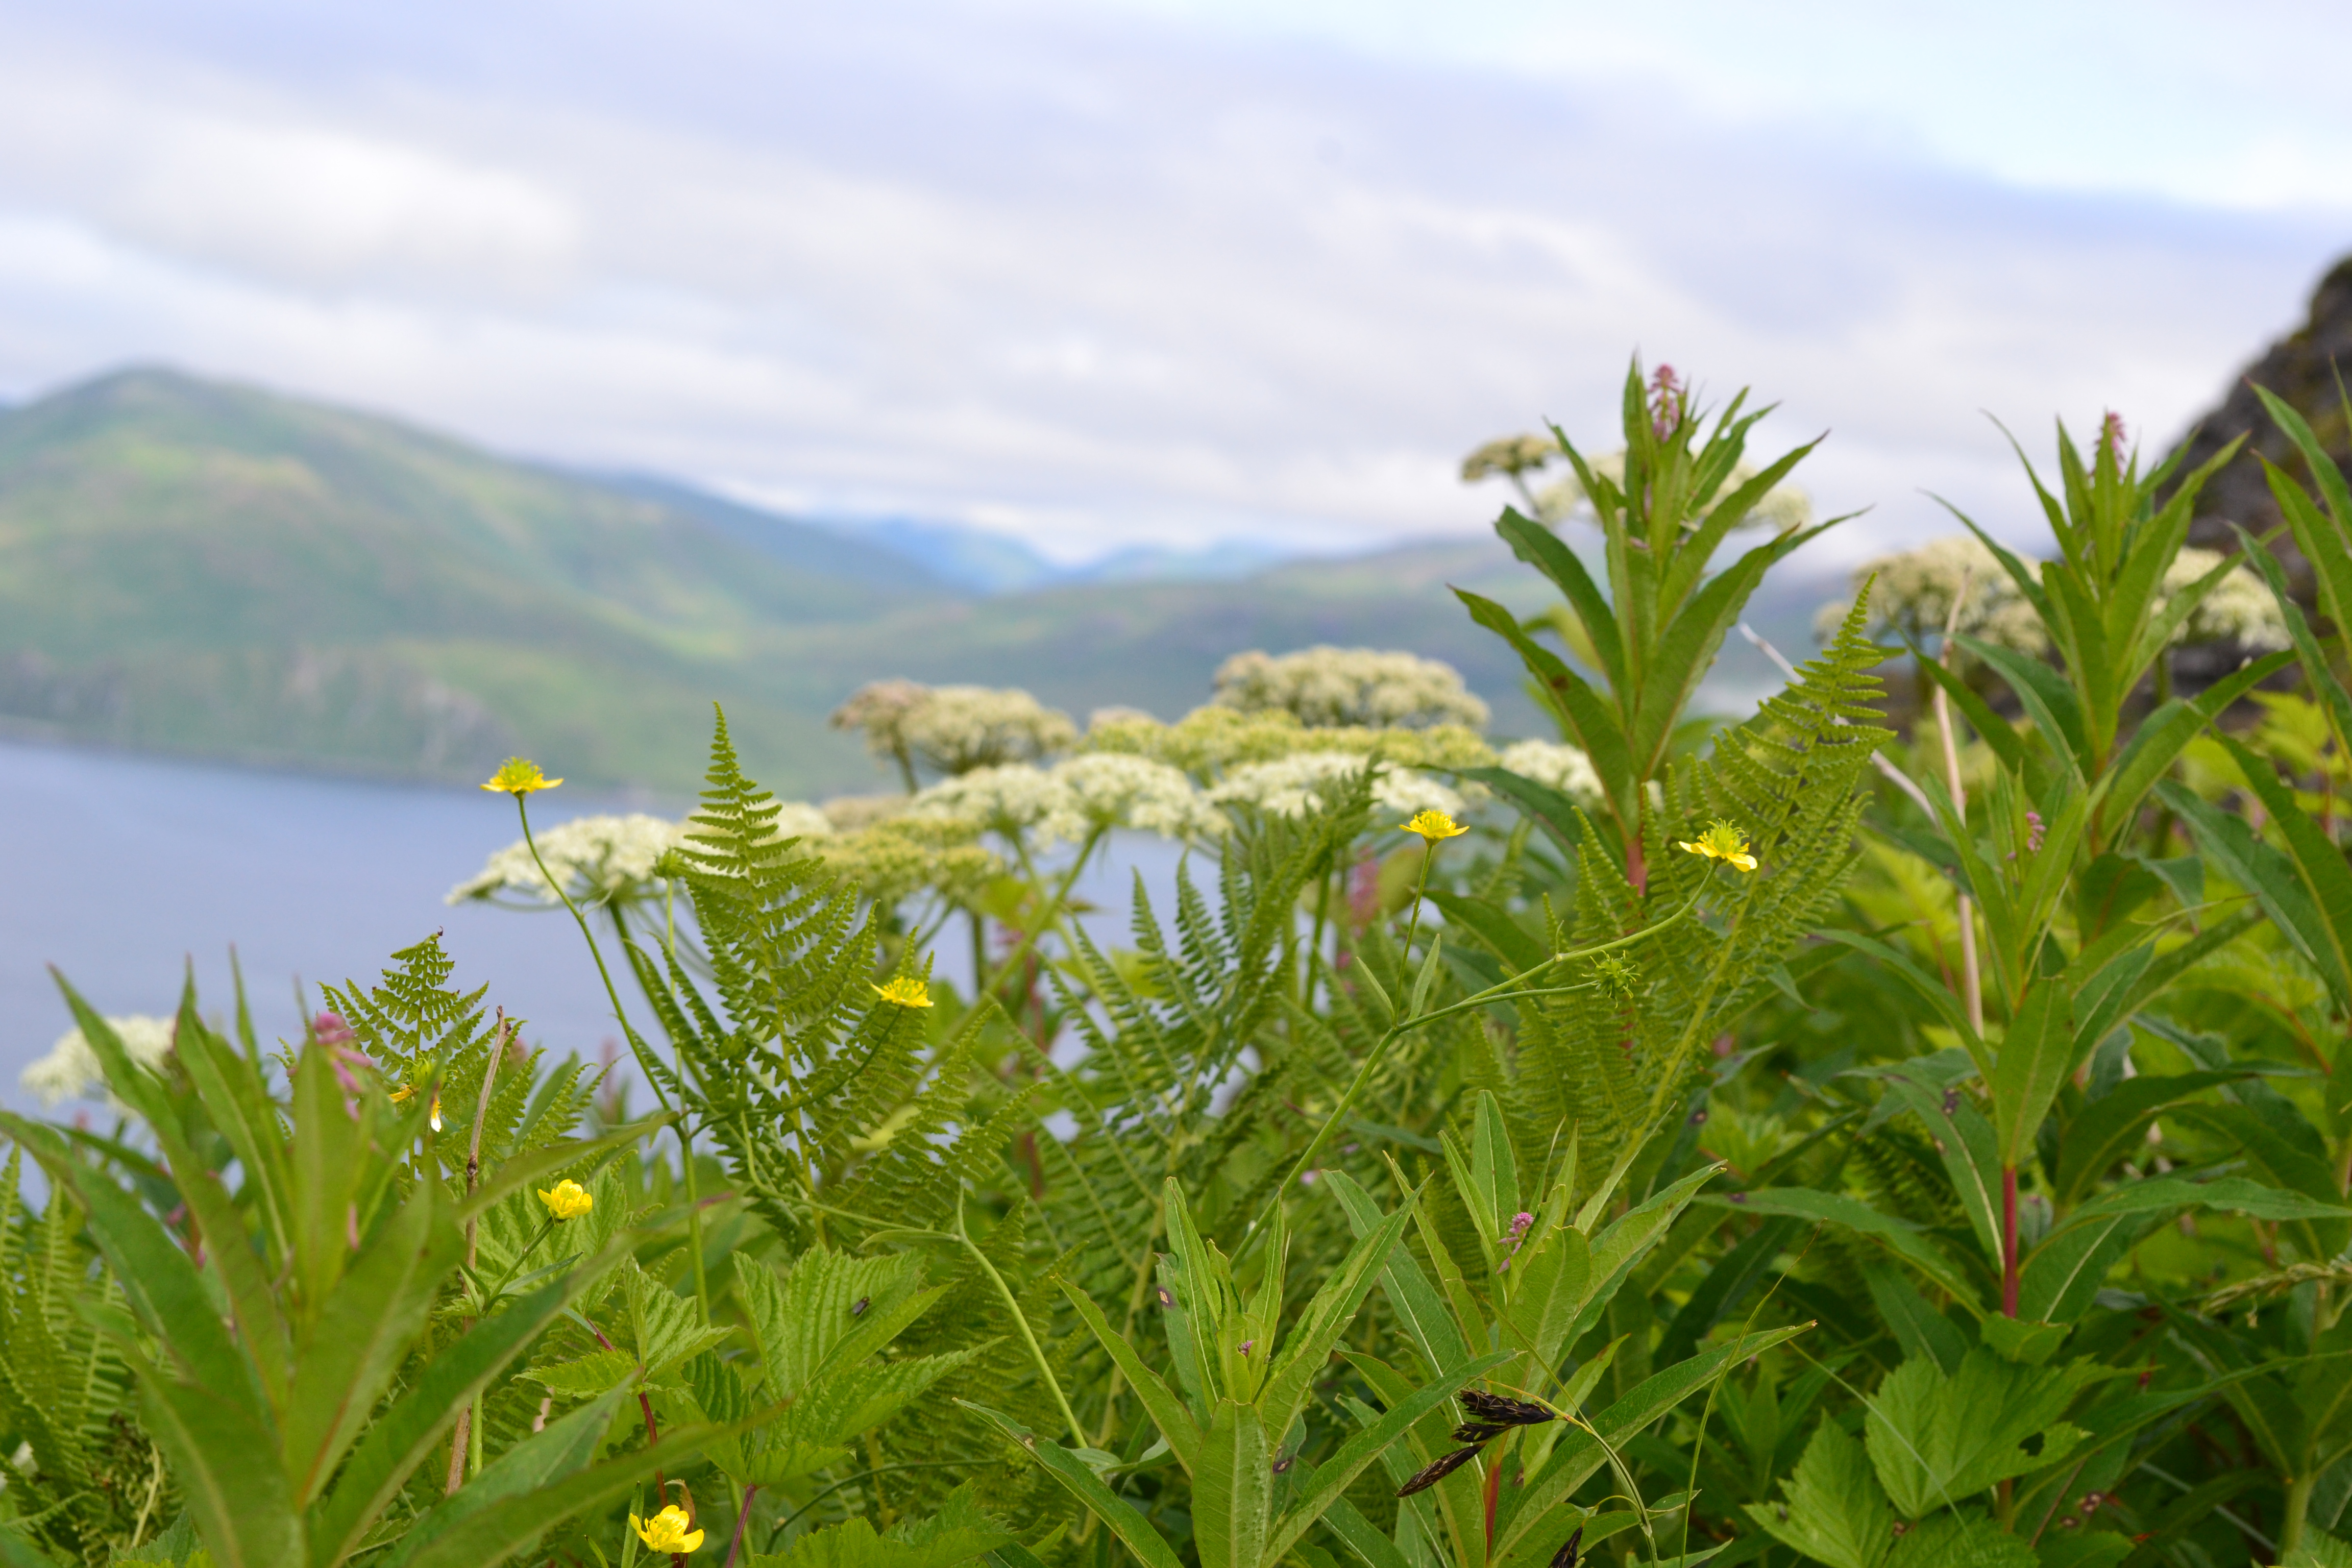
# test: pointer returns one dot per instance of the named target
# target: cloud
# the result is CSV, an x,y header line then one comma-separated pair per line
x,y
1105,278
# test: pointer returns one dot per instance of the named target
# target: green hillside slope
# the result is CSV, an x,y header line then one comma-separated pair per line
x,y
215,571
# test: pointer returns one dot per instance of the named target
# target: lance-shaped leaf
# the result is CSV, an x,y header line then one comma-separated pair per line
x,y
1309,1344
1161,1402
2233,849
2114,1125
1125,1520
1581,1452
225,1463
2165,733
1542,549
2032,1061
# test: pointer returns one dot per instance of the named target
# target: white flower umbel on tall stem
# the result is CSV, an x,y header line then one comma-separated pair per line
x,y
600,859
1916,591
1326,687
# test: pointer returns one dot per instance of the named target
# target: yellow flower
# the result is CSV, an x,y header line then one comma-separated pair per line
x,y
519,776
1721,841
567,1199
1433,825
667,1531
906,990
435,1118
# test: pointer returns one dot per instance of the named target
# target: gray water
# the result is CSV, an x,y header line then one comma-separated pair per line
x,y
122,871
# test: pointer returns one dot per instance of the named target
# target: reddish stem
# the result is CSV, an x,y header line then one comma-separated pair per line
x,y
737,1545
2009,1241
1494,1488
1637,869
652,1438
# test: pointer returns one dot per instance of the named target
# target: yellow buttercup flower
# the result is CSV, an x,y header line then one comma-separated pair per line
x,y
1723,842
1433,825
408,1091
567,1199
519,776
667,1531
904,991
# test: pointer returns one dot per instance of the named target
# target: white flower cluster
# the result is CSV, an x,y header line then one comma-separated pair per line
x,y
1914,593
1564,768
1784,507
597,858
955,729
1291,785
1066,803
2239,608
1332,687
70,1070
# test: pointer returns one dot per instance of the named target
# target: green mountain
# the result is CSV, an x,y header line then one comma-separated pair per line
x,y
212,570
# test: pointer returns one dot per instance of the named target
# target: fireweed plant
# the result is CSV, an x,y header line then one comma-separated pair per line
x,y
1671,1142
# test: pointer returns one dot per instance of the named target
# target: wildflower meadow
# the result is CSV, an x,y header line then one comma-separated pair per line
x,y
1906,1127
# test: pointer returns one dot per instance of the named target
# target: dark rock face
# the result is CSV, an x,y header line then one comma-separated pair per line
x,y
2301,368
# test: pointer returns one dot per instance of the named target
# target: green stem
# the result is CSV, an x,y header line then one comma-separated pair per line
x,y
1053,917
2298,1509
1020,1322
636,1048
1420,888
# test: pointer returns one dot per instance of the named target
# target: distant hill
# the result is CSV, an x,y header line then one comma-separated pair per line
x,y
214,569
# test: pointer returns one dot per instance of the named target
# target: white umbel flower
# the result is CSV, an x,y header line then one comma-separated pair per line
x,y
1009,800
2239,608
1915,589
1564,768
1327,687
1292,785
70,1070
1110,790
598,858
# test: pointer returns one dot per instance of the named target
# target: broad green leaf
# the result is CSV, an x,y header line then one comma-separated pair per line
x,y
512,1525
1419,1308
2048,702
566,1446
1233,1489
1540,804
1586,716
2155,1195
1540,548
1350,1459
1834,1510
1160,1402
354,1347
2030,1065
2110,1128
225,1463
1937,1439
398,1440
2233,849
1579,1452
1898,1237
2163,734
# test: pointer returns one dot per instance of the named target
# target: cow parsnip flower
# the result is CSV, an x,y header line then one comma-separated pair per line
x,y
904,991
667,1531
1433,826
1334,688
518,776
72,1068
1721,841
567,1200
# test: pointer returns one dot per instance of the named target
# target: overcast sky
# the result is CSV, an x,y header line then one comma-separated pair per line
x,y
1174,271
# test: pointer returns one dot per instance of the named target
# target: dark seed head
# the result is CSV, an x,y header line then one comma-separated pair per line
x,y
859,1306
1478,1431
1566,1556
1437,1472
1503,1410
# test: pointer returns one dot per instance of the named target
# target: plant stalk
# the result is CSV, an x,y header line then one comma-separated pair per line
x,y
2009,1241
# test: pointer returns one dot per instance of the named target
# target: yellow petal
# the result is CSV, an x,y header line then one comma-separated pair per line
x,y
691,1541
1745,862
1695,848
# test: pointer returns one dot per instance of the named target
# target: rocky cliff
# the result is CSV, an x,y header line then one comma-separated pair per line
x,y
2302,368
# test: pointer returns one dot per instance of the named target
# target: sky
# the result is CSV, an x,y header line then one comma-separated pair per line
x,y
1177,271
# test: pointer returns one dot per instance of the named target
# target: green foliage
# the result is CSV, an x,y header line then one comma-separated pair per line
x,y
1779,1168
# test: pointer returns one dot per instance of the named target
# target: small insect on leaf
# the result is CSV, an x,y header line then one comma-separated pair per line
x,y
1503,1411
1478,1431
1566,1556
859,1306
1165,1298
1282,1466
1437,1472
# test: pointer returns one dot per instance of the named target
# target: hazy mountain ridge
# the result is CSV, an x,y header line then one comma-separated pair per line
x,y
212,570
